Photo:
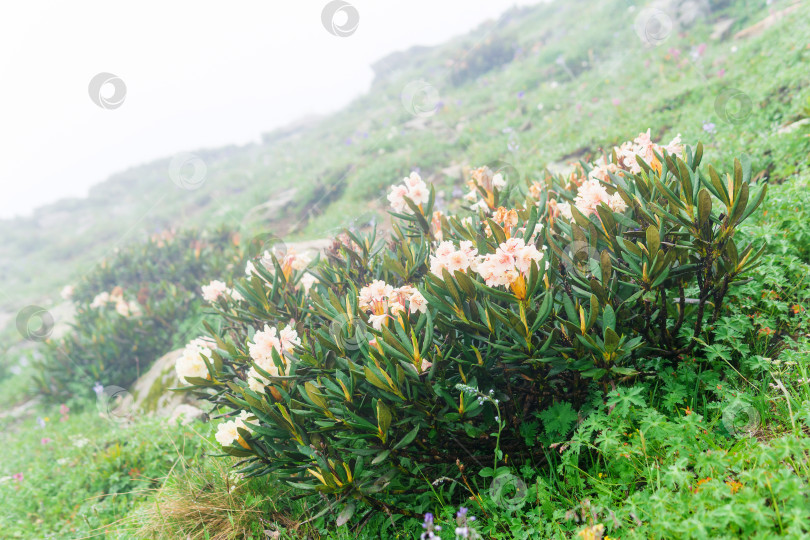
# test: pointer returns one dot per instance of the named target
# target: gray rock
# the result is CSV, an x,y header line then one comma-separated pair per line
x,y
186,414
790,128
151,395
721,29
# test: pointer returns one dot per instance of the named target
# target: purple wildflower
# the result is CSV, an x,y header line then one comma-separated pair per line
x,y
429,527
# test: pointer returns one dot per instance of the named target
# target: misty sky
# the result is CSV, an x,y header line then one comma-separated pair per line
x,y
197,74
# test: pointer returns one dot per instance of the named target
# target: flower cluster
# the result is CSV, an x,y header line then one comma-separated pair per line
x,y
384,301
218,289
430,529
447,257
511,262
261,352
67,292
116,297
592,191
288,259
643,147
464,528
412,187
483,183
190,363
228,432
590,195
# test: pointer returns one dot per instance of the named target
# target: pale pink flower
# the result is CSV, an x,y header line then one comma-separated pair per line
x,y
122,308
617,204
396,308
288,338
565,210
419,194
457,261
417,302
377,321
101,300
525,257
590,195
307,281
67,292
214,291
445,249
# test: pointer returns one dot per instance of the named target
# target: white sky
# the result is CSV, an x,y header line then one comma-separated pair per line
x,y
198,74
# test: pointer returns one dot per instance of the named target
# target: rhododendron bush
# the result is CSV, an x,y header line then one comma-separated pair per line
x,y
128,308
474,339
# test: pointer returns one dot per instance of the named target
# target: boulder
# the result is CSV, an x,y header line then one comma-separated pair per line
x,y
151,395
766,23
790,128
721,29
186,414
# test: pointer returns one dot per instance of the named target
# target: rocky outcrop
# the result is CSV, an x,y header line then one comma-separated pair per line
x,y
151,393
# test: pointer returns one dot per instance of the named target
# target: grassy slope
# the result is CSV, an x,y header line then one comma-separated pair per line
x,y
346,162
347,159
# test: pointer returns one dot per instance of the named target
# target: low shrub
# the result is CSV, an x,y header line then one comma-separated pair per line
x,y
463,343
129,311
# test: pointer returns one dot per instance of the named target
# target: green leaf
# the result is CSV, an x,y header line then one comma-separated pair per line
x,y
653,241
559,419
611,340
383,419
346,514
704,206
609,317
407,439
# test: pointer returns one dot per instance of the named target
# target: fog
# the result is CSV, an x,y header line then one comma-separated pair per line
x,y
195,74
